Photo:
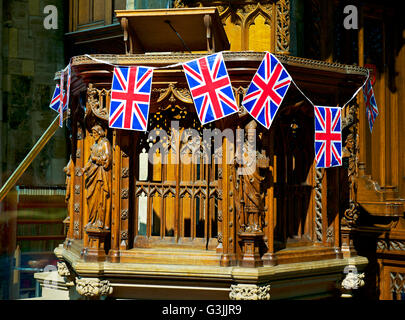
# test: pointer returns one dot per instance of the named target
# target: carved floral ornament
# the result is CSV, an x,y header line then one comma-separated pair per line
x,y
93,287
249,292
353,279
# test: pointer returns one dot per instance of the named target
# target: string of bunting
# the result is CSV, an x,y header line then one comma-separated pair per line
x,y
214,99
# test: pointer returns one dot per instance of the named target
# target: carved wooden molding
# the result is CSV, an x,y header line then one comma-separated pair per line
x,y
124,214
125,172
318,203
228,56
249,292
98,102
351,149
172,94
283,26
124,193
393,245
397,282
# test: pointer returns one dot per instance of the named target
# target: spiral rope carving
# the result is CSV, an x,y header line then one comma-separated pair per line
x,y
318,203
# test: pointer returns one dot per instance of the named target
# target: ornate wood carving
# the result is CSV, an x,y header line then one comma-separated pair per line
x,y
283,26
319,173
351,149
392,245
172,94
250,198
397,284
69,197
98,102
98,181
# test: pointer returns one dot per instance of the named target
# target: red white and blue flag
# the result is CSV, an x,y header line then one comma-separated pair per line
x,y
66,102
55,101
130,97
61,98
210,88
328,136
267,90
371,104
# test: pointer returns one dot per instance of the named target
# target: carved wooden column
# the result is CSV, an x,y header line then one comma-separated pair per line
x,y
228,209
320,203
269,258
351,214
124,138
283,26
113,255
70,173
78,183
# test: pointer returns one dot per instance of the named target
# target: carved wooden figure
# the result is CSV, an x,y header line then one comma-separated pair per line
x,y
251,198
98,181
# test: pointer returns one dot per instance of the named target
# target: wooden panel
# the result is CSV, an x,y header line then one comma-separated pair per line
x,y
260,36
234,33
120,4
84,11
88,14
98,10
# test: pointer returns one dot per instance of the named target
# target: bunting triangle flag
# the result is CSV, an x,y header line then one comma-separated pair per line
x,y
328,136
130,98
210,87
371,104
61,98
267,90
66,102
55,101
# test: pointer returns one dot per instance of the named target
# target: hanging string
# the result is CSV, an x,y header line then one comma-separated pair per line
x,y
115,65
357,91
305,96
181,63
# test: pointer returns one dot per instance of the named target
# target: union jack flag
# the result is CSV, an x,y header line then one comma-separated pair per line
x,y
130,96
328,137
55,101
210,88
66,102
61,98
371,104
267,90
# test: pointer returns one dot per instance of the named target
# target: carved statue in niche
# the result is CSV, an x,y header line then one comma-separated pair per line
x,y
98,181
251,197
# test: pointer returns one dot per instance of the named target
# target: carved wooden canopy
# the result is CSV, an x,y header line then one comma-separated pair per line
x,y
171,30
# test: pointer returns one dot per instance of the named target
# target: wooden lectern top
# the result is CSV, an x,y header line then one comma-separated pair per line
x,y
173,30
